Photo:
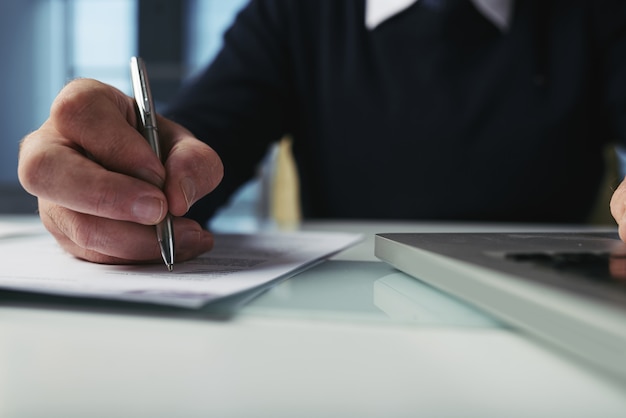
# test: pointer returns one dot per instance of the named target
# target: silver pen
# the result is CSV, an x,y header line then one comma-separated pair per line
x,y
147,115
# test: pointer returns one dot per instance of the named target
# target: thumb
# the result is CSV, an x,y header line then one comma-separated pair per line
x,y
193,168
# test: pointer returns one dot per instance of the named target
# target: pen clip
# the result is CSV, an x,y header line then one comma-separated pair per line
x,y
141,91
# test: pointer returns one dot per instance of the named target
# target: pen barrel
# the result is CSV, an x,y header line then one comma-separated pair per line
x,y
151,134
147,118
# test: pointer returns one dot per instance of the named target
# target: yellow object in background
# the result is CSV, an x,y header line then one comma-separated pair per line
x,y
285,191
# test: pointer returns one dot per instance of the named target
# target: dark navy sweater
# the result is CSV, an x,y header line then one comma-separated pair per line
x,y
433,115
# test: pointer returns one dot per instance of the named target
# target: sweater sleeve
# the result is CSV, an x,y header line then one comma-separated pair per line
x,y
240,104
609,23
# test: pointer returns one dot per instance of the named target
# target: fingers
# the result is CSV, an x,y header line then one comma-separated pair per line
x,y
60,174
107,241
193,168
101,188
618,209
89,158
97,119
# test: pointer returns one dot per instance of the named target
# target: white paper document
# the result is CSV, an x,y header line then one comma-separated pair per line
x,y
237,263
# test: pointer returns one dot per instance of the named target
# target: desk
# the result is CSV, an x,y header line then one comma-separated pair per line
x,y
316,345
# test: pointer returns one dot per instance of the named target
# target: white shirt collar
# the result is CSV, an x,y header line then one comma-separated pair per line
x,y
498,12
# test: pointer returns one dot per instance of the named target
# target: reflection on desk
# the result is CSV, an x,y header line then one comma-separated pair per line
x,y
366,291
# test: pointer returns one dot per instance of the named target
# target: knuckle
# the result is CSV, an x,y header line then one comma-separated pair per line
x,y
80,104
86,232
35,169
70,229
106,200
87,235
49,214
71,107
73,229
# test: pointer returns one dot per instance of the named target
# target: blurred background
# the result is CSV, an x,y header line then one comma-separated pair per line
x,y
46,43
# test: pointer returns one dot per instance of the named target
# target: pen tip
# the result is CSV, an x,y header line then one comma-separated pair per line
x,y
170,267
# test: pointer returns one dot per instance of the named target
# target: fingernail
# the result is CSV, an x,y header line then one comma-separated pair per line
x,y
188,188
147,209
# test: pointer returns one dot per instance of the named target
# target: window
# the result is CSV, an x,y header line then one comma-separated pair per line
x,y
101,36
45,43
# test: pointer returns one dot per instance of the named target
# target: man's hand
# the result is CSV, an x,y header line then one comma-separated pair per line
x,y
101,188
618,208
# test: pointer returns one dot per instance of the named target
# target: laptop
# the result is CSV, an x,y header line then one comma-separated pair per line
x,y
567,288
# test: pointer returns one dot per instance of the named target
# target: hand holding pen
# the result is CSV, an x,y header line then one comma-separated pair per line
x,y
101,188
148,128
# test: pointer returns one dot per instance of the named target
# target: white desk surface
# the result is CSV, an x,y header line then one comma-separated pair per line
x,y
315,345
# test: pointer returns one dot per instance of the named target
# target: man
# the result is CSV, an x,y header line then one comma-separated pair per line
x,y
436,109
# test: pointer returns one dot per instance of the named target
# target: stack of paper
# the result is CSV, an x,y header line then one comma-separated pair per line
x,y
238,262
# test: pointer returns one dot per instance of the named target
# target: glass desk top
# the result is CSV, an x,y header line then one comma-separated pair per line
x,y
365,291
